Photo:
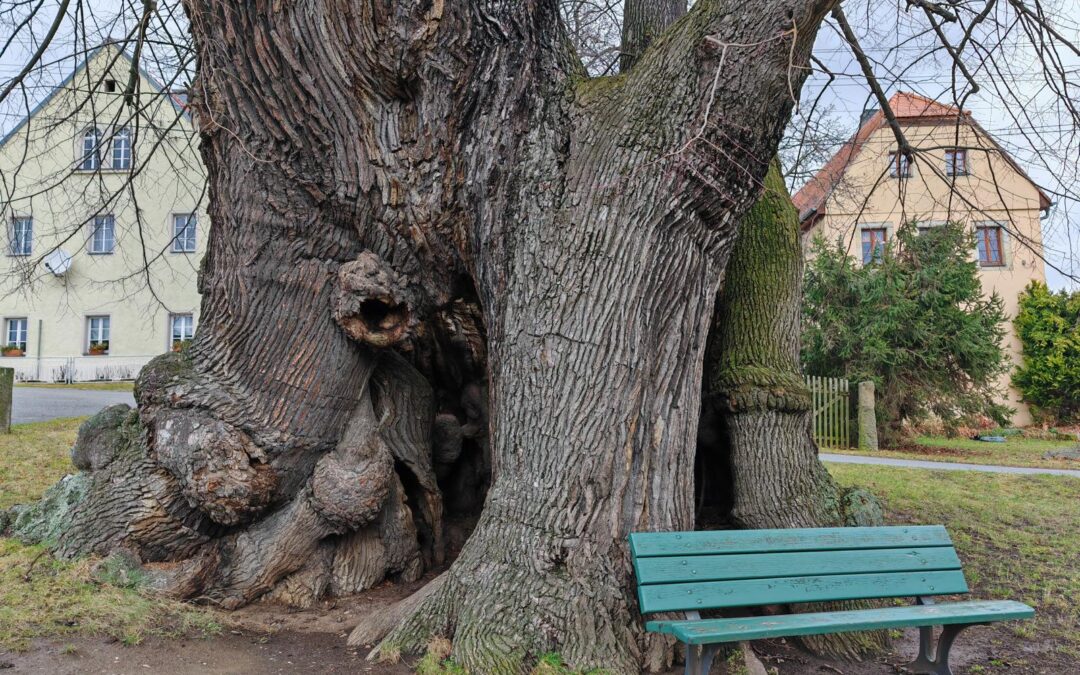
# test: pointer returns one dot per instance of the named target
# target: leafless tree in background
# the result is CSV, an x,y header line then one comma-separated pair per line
x,y
45,43
594,27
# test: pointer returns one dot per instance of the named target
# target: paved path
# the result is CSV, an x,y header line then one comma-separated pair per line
x,y
945,466
37,404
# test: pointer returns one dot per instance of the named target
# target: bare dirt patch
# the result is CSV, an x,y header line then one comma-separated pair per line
x,y
258,639
271,640
980,649
285,652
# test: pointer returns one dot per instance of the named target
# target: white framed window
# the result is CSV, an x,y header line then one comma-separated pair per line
x,y
90,151
956,162
98,331
121,149
181,330
15,336
184,225
899,165
22,235
103,238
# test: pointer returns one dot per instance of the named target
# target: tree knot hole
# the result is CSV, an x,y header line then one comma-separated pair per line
x,y
373,303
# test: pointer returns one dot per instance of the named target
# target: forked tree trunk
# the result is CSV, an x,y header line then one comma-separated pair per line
x,y
766,453
596,341
414,204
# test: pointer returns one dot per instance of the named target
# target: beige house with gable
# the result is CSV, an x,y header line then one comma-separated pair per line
x,y
867,190
105,232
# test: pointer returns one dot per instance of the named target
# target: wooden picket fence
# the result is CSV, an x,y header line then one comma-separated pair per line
x,y
832,416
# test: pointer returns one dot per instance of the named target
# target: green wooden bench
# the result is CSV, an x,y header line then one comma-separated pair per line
x,y
693,571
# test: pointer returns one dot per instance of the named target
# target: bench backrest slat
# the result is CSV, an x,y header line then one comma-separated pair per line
x,y
816,563
646,544
752,592
680,571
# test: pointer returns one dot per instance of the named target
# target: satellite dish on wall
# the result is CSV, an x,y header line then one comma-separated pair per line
x,y
57,262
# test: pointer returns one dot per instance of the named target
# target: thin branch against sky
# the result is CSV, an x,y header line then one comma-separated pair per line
x,y
31,70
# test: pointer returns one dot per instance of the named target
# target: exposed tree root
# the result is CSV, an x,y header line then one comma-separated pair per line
x,y
375,627
533,602
199,502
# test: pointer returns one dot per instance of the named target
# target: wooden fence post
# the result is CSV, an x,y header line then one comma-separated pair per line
x,y
7,383
867,418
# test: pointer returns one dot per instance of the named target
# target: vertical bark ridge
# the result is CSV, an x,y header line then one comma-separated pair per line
x,y
593,219
643,20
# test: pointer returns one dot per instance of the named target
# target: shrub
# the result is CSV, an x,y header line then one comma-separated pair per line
x,y
915,322
1048,325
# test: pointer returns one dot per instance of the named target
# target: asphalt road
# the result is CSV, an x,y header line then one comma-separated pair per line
x,y
33,404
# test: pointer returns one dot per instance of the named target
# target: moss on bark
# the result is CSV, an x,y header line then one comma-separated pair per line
x,y
754,352
44,520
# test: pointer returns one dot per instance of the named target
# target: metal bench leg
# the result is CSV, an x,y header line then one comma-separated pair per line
x,y
939,663
699,658
925,661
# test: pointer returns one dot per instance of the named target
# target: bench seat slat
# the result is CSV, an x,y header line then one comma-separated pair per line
x,y
650,544
812,563
711,631
774,591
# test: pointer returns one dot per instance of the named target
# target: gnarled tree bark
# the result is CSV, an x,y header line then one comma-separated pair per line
x,y
597,339
426,217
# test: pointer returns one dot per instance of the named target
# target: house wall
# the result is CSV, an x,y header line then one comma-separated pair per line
x,y
142,282
993,191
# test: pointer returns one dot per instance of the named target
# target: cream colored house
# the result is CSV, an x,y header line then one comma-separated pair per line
x,y
958,173
104,230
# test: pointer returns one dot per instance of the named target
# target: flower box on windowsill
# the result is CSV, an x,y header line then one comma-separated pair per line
x,y
98,349
12,351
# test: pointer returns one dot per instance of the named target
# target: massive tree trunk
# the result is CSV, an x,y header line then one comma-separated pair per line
x,y
442,259
762,468
758,441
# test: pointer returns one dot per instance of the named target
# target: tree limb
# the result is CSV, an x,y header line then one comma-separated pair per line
x,y
871,79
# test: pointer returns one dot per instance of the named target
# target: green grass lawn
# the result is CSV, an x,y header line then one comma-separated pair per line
x,y
33,457
1018,536
43,597
1015,451
126,385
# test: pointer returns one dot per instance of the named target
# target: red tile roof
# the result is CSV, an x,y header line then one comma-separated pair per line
x,y
907,107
